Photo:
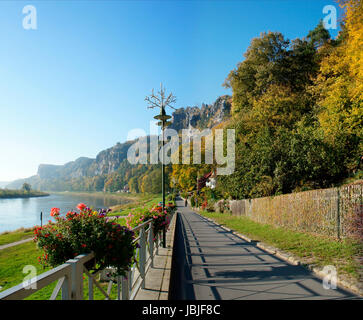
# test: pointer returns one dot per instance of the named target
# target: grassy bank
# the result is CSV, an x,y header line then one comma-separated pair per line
x,y
311,249
136,201
146,202
13,260
100,194
16,235
11,194
139,201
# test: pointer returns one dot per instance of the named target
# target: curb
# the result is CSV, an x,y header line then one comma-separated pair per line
x,y
291,259
158,277
165,283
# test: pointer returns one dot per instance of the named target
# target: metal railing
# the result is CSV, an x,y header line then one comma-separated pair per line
x,y
69,276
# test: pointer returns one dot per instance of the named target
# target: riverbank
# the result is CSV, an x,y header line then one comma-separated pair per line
x,y
18,194
139,201
26,212
13,259
7,237
130,201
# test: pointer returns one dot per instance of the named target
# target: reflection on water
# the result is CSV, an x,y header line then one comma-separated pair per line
x,y
25,202
16,213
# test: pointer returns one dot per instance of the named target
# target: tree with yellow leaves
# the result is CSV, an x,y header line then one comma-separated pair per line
x,y
339,86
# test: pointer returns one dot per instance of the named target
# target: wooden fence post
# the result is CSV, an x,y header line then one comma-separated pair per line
x,y
90,288
125,287
151,243
338,213
142,260
118,287
66,288
77,279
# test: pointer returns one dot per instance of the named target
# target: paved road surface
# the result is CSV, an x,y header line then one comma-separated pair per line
x,y
12,244
211,263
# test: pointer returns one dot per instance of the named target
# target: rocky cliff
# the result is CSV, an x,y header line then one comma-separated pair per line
x,y
60,177
207,116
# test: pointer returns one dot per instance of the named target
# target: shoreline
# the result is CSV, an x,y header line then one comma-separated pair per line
x,y
126,202
99,194
25,196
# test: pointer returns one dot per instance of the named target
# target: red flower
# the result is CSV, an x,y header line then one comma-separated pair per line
x,y
84,245
81,206
54,212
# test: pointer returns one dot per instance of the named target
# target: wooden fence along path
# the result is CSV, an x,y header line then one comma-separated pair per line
x,y
335,212
70,274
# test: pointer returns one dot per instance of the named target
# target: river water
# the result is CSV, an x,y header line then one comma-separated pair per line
x,y
17,213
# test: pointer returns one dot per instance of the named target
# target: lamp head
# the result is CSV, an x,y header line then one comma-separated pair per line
x,y
163,117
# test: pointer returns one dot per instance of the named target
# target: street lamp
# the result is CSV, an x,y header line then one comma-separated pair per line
x,y
161,101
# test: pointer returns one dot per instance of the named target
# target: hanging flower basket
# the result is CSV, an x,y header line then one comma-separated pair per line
x,y
84,232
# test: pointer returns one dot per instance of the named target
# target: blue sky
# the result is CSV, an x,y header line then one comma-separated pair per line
x,y
76,85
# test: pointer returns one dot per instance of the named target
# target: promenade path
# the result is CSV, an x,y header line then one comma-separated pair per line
x,y
12,244
210,263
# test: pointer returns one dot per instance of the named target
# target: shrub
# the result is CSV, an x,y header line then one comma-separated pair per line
x,y
85,232
136,218
210,206
204,204
192,201
171,197
161,219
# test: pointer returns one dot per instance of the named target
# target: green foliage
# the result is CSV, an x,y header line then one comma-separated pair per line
x,y
16,235
297,125
6,193
192,200
86,232
26,187
160,219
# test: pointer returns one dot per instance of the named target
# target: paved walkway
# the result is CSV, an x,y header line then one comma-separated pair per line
x,y
157,280
12,244
211,263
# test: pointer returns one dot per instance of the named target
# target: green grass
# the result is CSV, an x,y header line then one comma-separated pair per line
x,y
17,235
144,202
14,259
140,202
9,194
313,249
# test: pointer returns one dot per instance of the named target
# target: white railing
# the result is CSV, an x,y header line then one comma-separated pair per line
x,y
70,274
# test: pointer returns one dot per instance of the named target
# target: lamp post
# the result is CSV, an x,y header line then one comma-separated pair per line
x,y
161,101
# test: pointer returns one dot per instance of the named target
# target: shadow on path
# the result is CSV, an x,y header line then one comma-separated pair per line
x,y
210,263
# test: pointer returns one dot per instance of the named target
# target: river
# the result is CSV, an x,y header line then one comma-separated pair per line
x,y
17,213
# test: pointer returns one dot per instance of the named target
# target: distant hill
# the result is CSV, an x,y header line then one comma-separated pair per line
x,y
110,168
4,184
